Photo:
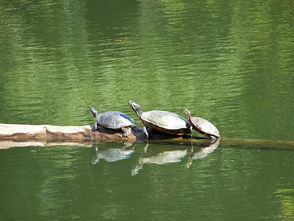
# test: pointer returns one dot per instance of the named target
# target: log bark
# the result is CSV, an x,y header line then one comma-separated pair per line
x,y
13,135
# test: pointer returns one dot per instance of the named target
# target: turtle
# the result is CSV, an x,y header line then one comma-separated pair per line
x,y
113,120
202,126
161,121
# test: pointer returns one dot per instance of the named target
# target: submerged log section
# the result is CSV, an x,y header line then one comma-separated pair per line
x,y
83,134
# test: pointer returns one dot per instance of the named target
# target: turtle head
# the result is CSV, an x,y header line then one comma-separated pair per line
x,y
136,107
187,112
94,112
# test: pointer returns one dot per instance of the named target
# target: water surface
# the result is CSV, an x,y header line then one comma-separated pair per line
x,y
230,62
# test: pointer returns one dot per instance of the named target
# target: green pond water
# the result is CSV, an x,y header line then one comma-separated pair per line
x,y
230,62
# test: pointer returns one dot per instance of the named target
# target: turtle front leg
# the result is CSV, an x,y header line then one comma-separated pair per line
x,y
96,125
145,132
126,131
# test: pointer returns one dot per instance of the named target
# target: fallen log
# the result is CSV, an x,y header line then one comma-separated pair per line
x,y
12,135
49,133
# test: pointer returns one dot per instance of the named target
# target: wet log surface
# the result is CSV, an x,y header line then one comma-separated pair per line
x,y
16,135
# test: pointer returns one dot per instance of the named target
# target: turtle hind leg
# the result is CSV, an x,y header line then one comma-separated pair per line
x,y
126,131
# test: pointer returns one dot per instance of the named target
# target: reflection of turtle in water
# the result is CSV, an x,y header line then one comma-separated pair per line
x,y
165,157
162,121
113,120
202,126
203,152
112,154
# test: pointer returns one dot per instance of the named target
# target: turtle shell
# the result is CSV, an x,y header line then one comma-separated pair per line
x,y
204,127
166,121
114,120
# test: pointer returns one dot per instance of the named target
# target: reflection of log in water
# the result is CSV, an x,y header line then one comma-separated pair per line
x,y
12,135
